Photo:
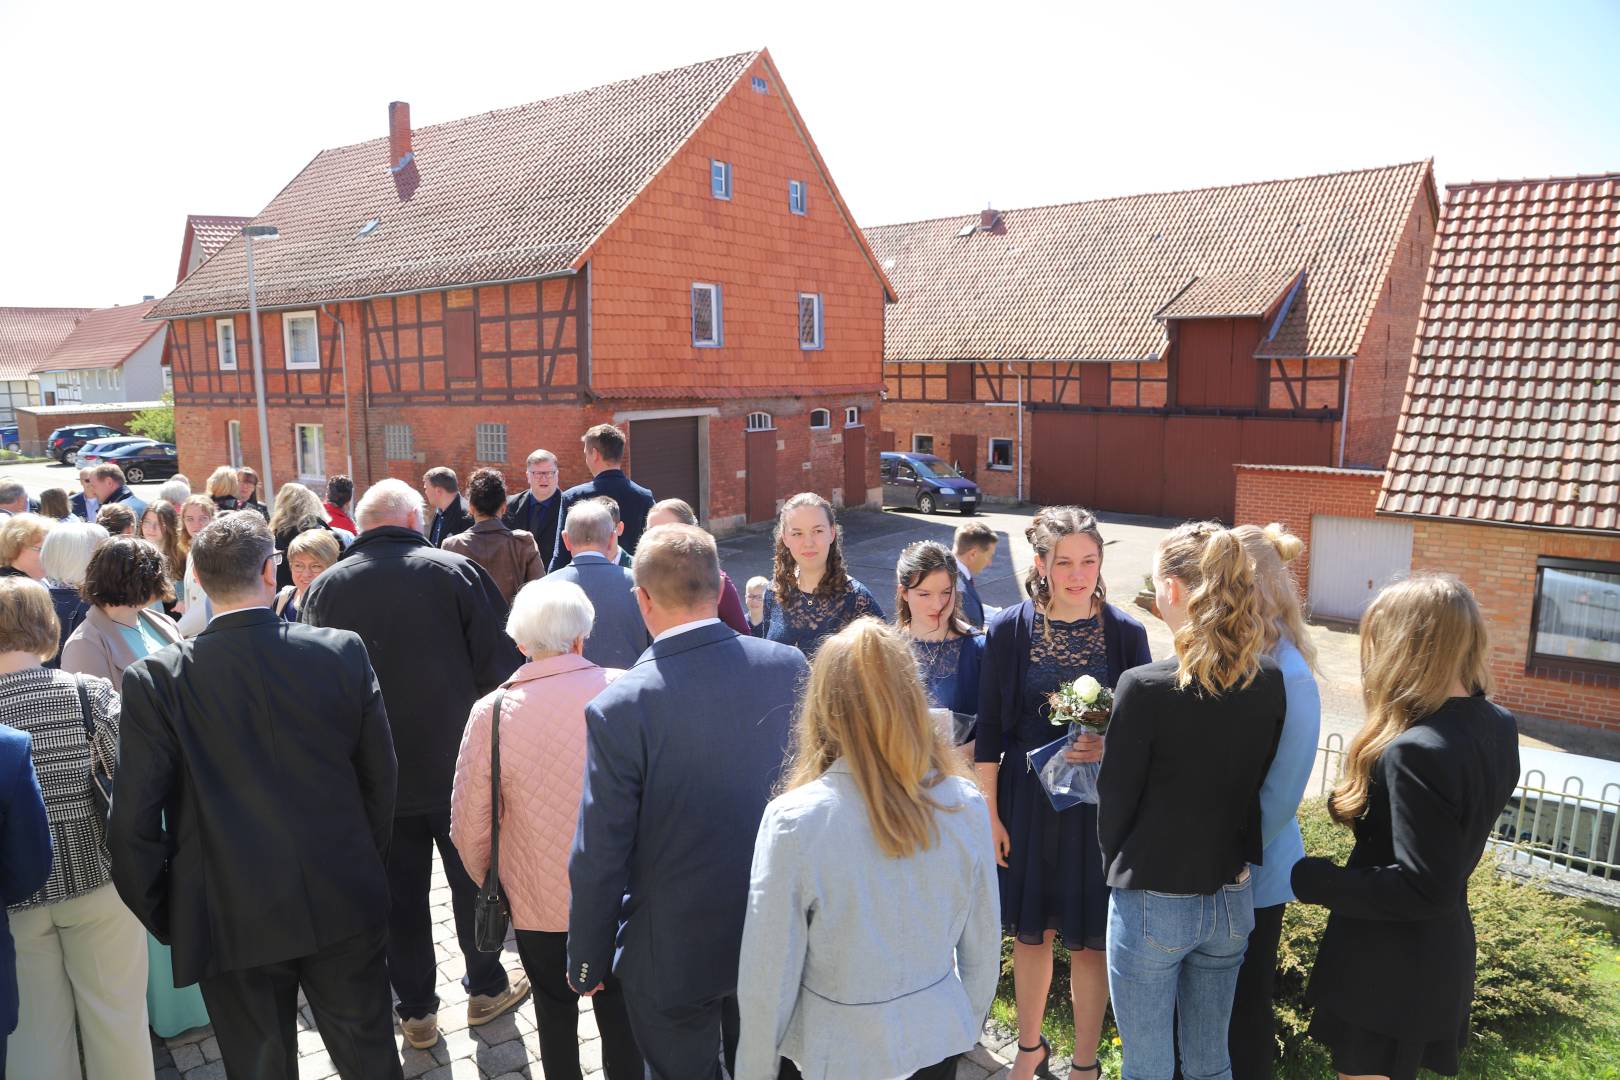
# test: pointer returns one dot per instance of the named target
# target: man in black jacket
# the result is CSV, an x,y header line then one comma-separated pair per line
x,y
432,621
537,511
604,454
268,875
442,490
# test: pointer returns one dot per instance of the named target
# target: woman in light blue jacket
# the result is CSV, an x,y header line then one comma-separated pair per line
x,y
876,807
1250,1037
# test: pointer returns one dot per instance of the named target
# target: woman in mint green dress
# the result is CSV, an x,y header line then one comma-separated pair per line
x,y
124,578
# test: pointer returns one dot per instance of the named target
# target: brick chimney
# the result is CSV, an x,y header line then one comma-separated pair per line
x,y
399,134
990,221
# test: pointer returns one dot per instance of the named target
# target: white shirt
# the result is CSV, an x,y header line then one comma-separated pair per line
x,y
961,568
684,627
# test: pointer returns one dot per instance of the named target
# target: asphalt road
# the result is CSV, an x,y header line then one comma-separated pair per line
x,y
36,478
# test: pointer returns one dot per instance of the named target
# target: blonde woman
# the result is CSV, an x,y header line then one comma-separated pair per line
x,y
297,509
195,610
1179,807
875,803
21,538
222,483
309,555
1424,781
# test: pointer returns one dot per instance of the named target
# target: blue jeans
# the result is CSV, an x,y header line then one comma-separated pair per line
x,y
1174,958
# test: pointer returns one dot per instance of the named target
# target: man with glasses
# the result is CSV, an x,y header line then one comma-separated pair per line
x,y
538,510
85,504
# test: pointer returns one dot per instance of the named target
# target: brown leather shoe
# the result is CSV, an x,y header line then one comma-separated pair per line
x,y
422,1032
482,1008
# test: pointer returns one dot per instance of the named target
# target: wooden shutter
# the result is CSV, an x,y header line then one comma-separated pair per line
x,y
959,382
461,343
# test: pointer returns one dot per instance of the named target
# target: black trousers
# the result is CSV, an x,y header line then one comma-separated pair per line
x,y
556,1012
1251,1038
685,1042
255,1013
412,963
940,1070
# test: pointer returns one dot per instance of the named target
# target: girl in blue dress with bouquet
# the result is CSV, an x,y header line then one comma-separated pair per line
x,y
1051,863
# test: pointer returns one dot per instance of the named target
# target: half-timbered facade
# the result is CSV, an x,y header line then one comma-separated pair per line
x,y
1126,353
668,253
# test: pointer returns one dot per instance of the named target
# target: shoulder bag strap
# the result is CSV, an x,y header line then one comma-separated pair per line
x,y
495,785
84,710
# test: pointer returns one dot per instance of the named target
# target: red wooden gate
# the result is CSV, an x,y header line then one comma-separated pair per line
x,y
855,485
761,464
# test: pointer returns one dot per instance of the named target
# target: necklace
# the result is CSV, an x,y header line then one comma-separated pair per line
x,y
929,655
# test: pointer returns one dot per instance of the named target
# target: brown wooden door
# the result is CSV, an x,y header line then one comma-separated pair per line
x,y
664,456
855,485
761,464
965,454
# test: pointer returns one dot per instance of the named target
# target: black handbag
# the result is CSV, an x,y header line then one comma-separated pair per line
x,y
490,912
101,784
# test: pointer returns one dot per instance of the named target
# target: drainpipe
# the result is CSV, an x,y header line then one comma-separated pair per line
x,y
1019,432
348,423
1344,414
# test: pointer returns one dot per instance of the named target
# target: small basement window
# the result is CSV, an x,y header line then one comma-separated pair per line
x,y
491,442
759,421
796,196
1001,454
820,419
707,327
922,444
720,179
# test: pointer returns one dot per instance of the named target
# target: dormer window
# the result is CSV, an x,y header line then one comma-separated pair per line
x,y
720,179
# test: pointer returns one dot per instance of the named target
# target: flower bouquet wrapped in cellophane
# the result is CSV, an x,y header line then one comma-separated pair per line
x,y
1081,707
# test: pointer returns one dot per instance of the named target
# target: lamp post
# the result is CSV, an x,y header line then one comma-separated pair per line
x,y
249,234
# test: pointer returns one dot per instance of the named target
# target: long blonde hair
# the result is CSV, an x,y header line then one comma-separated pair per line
x,y
1418,638
1272,549
295,505
865,704
1220,644
222,482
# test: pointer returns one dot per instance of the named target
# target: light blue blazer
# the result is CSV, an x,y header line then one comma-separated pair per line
x,y
1285,782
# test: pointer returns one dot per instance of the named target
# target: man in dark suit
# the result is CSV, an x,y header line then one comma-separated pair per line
x,y
538,510
25,858
268,875
450,514
107,483
604,453
975,547
682,752
432,622
618,635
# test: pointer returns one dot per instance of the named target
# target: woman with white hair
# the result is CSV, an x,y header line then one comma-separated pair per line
x,y
542,735
175,492
65,554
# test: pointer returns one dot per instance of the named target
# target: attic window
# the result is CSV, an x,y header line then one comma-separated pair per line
x,y
368,228
760,86
968,230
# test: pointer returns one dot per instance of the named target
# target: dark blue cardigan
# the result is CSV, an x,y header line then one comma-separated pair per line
x,y
1006,661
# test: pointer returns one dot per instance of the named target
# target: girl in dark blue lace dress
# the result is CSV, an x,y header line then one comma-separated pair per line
x,y
948,651
811,597
1052,875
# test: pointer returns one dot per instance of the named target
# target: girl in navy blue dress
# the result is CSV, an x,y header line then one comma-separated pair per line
x,y
928,608
811,598
1051,862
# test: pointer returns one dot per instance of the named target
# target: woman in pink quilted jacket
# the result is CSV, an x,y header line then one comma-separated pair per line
x,y
542,773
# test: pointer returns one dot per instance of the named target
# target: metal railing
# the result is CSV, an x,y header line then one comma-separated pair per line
x,y
1332,755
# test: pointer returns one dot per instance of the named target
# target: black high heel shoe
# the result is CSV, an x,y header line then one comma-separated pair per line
x,y
1044,1069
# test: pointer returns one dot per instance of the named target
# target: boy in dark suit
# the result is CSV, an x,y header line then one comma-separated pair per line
x,y
604,455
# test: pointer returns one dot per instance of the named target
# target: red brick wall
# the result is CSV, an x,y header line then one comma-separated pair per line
x,y
1291,496
981,421
34,428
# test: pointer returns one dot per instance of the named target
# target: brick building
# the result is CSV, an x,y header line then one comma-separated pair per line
x,y
1506,464
667,253
1126,353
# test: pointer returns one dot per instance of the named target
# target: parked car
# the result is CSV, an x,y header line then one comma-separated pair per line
x,y
64,442
926,482
95,451
9,439
145,460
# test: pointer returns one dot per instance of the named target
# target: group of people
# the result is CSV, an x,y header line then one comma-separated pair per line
x,y
773,833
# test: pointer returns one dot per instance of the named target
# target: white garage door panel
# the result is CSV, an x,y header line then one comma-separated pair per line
x,y
1351,559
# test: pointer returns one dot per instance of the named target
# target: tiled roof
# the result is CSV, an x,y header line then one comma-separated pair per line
x,y
1245,294
27,336
205,235
1083,281
1512,411
506,195
104,338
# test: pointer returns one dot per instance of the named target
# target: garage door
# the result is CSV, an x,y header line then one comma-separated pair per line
x,y
664,457
1351,559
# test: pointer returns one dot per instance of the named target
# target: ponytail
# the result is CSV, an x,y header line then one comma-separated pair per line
x,y
1220,644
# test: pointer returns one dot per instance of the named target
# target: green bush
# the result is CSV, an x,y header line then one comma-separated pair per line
x,y
155,423
1535,954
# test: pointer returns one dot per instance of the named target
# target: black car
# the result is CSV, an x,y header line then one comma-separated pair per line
x,y
144,461
926,482
64,443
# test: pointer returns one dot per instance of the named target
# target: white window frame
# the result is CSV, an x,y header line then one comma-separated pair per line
x,y
233,442
1011,450
219,338
821,338
717,320
300,462
852,416
760,421
485,436
915,449
399,442
117,377
798,197
720,179
287,319
826,419
98,380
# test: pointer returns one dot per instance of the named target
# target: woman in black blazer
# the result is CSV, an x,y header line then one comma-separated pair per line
x,y
1424,782
1179,806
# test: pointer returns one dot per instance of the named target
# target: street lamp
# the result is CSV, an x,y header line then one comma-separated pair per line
x,y
249,234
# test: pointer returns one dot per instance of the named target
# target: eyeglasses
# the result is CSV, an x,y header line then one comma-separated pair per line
x,y
278,557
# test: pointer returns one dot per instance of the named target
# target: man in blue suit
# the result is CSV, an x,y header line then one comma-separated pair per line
x,y
682,752
975,546
604,456
618,634
25,858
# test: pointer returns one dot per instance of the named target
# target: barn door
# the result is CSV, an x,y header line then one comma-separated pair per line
x,y
1351,559
761,465
965,455
854,466
664,457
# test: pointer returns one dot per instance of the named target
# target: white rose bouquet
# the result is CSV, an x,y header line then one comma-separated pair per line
x,y
1085,702
1083,707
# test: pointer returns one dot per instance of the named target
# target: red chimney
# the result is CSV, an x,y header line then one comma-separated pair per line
x,y
990,221
399,134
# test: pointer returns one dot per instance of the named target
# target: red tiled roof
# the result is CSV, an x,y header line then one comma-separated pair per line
x,y
27,336
1083,281
103,338
207,234
507,195
1512,411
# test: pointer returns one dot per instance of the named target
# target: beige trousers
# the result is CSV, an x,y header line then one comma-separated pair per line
x,y
82,958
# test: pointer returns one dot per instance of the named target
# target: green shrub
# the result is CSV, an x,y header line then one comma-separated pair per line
x,y
156,423
1535,951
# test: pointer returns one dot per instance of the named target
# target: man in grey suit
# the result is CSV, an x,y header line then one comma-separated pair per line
x,y
682,752
619,635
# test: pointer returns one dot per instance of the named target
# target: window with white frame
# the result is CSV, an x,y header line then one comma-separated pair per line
x,y
233,442
820,419
720,179
309,451
397,442
852,416
225,331
922,444
809,320
490,441
117,378
797,195
707,325
759,421
1001,454
301,339
98,379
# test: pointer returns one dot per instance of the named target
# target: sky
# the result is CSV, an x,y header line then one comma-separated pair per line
x,y
118,119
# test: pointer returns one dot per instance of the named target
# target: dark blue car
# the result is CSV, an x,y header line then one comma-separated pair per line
x,y
144,461
9,439
926,482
